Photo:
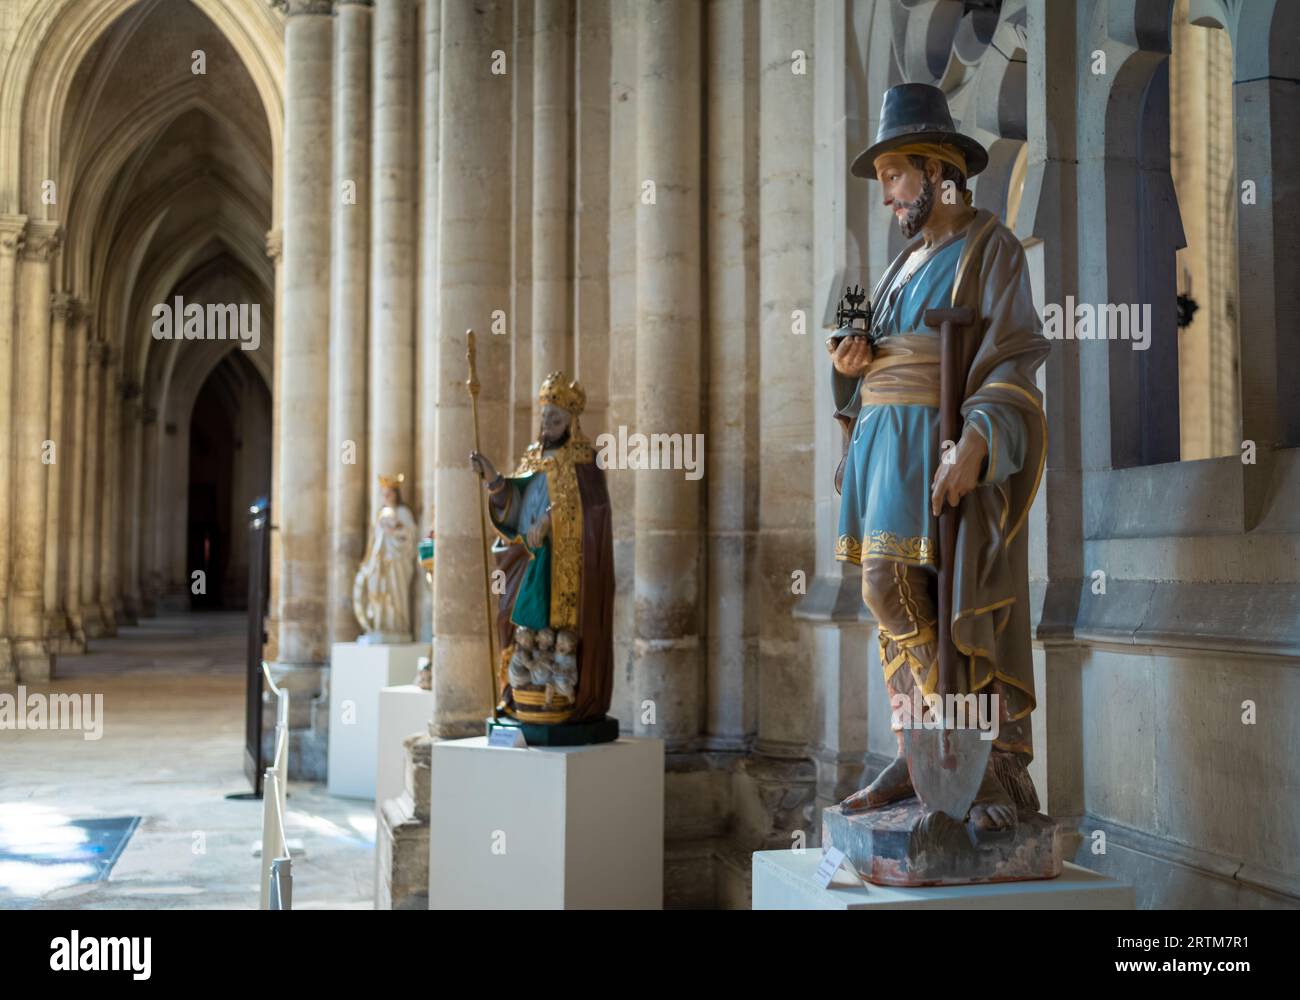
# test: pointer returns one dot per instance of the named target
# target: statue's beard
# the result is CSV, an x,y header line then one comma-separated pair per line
x,y
553,442
918,212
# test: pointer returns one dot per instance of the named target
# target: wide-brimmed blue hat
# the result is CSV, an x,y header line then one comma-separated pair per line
x,y
917,112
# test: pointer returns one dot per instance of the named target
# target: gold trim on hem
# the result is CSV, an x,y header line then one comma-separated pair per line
x,y
918,550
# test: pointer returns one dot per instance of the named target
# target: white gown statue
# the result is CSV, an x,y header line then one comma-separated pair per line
x,y
381,592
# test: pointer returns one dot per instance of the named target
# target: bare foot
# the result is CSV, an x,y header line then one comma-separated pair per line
x,y
993,809
891,784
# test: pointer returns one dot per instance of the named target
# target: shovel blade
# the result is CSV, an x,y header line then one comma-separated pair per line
x,y
947,767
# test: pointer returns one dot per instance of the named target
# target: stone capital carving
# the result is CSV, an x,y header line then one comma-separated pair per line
x,y
148,415
108,355
43,241
63,306
129,388
13,232
274,244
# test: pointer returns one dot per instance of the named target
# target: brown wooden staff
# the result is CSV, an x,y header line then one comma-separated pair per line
x,y
471,384
952,385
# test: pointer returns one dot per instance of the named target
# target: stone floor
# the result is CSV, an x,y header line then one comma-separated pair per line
x,y
171,750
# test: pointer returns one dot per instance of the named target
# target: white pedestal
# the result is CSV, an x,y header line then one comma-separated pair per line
x,y
547,827
784,880
357,674
403,711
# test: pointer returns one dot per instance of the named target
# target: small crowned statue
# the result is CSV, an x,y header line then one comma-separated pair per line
x,y
381,592
554,545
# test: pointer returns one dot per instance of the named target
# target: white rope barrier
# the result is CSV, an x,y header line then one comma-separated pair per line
x,y
277,869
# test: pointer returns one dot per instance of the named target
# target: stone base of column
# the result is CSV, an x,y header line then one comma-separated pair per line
x,y
148,606
120,614
72,643
308,718
107,617
174,604
32,661
60,635
402,836
92,625
130,613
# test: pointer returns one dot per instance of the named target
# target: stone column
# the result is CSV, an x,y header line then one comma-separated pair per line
x,y
31,432
394,214
130,481
110,464
271,626
523,422
1048,224
592,110
75,449
788,349
473,280
348,305
552,162
666,650
624,191
733,390
92,621
12,232
150,575
303,348
62,312
426,347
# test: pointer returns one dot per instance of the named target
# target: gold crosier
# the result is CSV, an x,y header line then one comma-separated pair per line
x,y
472,386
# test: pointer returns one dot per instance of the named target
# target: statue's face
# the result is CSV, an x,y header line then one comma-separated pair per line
x,y
390,497
555,421
908,190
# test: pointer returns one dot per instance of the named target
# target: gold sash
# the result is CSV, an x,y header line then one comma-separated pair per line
x,y
904,369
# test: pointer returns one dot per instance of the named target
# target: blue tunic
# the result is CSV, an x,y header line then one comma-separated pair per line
x,y
894,448
526,500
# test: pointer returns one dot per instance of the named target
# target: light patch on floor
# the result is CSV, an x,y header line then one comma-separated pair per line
x,y
172,750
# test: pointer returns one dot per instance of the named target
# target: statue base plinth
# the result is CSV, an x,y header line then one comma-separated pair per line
x,y
565,734
901,844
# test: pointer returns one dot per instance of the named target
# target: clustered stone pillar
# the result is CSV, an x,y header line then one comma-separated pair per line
x,y
551,316
63,311
473,281
303,339
12,232
394,214
31,429
348,310
666,644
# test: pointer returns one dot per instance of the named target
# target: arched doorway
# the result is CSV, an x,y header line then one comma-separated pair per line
x,y
229,467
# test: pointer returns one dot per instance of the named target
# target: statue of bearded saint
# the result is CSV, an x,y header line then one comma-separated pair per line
x,y
381,592
555,549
